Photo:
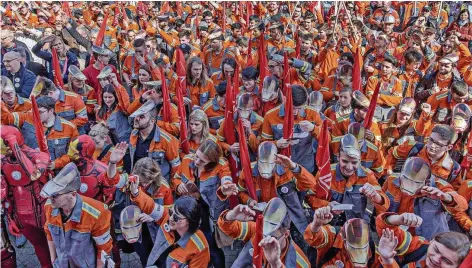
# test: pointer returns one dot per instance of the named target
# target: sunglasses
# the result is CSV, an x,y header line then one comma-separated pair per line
x,y
174,216
54,196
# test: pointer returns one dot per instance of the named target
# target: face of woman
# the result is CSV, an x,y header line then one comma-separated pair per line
x,y
464,16
144,76
201,160
249,84
77,83
108,99
177,222
402,118
345,99
196,127
229,71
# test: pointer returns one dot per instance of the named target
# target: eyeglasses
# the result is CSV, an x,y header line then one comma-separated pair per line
x,y
8,61
54,196
272,66
174,216
436,143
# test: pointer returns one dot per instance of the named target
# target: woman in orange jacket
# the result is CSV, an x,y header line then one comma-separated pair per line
x,y
146,73
198,130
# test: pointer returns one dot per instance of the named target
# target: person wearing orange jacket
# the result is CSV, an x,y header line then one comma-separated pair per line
x,y
252,123
341,108
213,56
198,130
306,123
336,82
76,84
463,219
300,72
59,132
435,152
360,105
149,140
77,227
447,249
210,172
215,108
133,62
378,16
278,248
409,73
440,15
391,89
351,183
103,145
13,102
412,191
442,103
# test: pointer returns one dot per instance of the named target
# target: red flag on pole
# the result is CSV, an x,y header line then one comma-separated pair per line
x,y
181,86
257,254
323,163
245,161
66,9
357,70
297,48
116,15
370,112
166,106
236,82
250,61
40,137
288,119
286,74
101,32
178,6
56,67
263,68
223,27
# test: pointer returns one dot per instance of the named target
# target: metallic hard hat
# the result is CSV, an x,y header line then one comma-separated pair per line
x,y
274,215
6,85
266,159
67,180
315,100
357,130
105,72
217,34
350,146
450,58
414,175
75,72
245,105
130,226
389,18
269,86
101,50
153,83
355,233
360,99
145,108
461,116
407,105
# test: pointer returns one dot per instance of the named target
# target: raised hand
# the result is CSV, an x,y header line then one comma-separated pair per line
x,y
118,152
241,213
387,245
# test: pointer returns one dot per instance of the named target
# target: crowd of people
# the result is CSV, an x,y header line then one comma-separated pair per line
x,y
237,134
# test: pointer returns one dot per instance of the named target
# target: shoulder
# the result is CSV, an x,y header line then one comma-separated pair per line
x,y
441,95
67,123
71,94
208,105
222,162
272,111
199,241
92,207
168,137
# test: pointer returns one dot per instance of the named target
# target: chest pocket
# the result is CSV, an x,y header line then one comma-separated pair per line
x,y
58,147
204,98
83,251
278,131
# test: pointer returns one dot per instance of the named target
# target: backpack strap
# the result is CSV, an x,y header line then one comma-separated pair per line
x,y
104,152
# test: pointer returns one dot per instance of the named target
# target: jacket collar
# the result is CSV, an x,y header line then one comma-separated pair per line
x,y
57,124
62,96
184,240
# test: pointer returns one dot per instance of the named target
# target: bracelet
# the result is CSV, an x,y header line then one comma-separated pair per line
x,y
114,163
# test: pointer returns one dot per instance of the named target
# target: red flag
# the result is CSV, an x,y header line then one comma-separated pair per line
x,y
245,161
286,74
165,7
257,254
263,68
40,137
56,67
197,25
467,262
181,86
373,103
323,163
116,15
66,9
125,16
166,106
101,32
236,81
357,70
178,6
288,119
250,61
297,48
223,27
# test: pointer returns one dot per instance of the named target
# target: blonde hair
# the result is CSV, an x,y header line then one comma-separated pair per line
x,y
148,171
100,129
199,116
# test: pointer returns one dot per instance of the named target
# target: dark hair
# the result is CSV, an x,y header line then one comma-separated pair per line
x,y
103,108
204,77
299,95
48,86
207,13
412,56
460,13
307,36
446,132
228,61
390,59
139,42
221,88
454,241
254,17
212,151
250,73
188,207
460,88
184,33
46,102
179,22
236,25
147,68
348,56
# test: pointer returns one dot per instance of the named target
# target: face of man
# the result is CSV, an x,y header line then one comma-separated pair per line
x,y
12,62
348,165
305,46
360,113
7,39
131,36
237,33
142,121
275,68
58,45
196,70
209,20
445,68
185,40
77,83
403,118
272,6
215,45
436,146
387,68
460,99
229,71
45,114
439,256
104,59
345,99
61,200
141,51
249,84
275,34
9,95
388,27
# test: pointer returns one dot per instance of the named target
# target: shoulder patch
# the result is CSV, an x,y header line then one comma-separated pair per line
x,y
91,210
442,182
189,156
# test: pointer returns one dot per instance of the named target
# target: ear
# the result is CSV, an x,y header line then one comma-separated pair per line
x,y
450,146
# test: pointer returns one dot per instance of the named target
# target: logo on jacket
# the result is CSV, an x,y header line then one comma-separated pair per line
x,y
16,175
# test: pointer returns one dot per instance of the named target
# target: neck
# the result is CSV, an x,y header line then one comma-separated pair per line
x,y
67,209
50,122
145,132
443,76
96,64
436,157
181,232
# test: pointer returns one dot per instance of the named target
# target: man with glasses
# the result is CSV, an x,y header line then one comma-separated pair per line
x,y
8,43
23,175
77,227
22,78
59,132
435,152
13,101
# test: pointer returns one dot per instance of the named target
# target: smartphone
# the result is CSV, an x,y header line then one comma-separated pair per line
x,y
342,207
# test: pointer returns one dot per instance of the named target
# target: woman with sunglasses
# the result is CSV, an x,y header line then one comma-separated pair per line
x,y
147,174
210,172
178,241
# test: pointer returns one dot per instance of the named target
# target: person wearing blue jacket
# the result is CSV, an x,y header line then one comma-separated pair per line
x,y
22,78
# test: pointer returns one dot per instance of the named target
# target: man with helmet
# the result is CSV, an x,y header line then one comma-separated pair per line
x,y
77,85
278,247
460,121
414,190
336,82
352,184
300,72
435,152
77,227
315,101
13,101
92,172
252,123
23,176
271,94
304,134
